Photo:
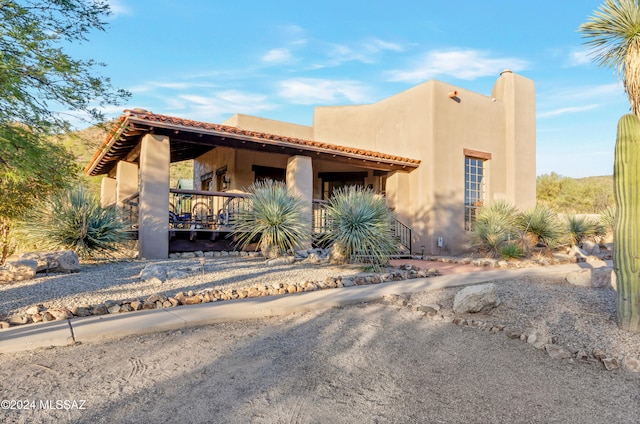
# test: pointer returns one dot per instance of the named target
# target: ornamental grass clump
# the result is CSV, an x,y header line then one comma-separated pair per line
x,y
542,226
511,251
579,228
273,216
360,227
496,225
75,220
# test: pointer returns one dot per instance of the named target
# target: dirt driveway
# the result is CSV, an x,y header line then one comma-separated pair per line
x,y
374,363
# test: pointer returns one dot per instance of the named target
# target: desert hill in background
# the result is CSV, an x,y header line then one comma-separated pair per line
x,y
562,194
84,143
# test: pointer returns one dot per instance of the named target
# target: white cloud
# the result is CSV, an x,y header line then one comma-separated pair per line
x,y
175,85
368,51
276,56
376,44
578,58
117,8
295,34
467,64
601,91
216,106
320,91
566,110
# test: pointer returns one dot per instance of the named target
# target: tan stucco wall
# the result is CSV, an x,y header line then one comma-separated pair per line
x,y
425,123
270,126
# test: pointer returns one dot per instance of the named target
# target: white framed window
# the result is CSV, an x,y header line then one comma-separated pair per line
x,y
474,189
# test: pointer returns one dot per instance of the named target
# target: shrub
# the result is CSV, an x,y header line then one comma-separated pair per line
x,y
543,224
579,228
75,220
608,220
360,226
496,225
273,216
511,251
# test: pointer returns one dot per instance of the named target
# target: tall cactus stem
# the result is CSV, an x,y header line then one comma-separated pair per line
x,y
626,252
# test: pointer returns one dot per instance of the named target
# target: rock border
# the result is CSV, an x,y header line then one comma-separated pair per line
x,y
38,313
547,344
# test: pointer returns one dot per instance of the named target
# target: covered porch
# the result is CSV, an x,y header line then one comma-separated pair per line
x,y
136,157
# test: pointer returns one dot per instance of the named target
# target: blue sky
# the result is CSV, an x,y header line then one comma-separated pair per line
x,y
208,59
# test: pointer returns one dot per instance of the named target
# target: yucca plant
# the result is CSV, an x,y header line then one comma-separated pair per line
x,y
579,228
543,225
75,220
608,220
273,215
511,251
360,226
496,225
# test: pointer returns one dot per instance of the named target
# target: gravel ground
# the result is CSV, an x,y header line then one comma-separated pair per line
x,y
96,283
580,318
378,362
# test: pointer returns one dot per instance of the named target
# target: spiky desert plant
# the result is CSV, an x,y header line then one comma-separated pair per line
x,y
626,242
579,228
361,226
543,225
497,224
273,215
608,220
511,250
74,219
613,36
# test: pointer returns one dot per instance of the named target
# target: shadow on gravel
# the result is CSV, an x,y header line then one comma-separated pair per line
x,y
366,363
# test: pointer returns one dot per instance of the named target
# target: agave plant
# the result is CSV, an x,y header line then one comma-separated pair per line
x,y
360,226
496,225
543,225
511,250
273,215
579,228
75,220
608,220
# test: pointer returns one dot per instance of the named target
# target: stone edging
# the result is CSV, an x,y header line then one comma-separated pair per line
x,y
38,313
610,361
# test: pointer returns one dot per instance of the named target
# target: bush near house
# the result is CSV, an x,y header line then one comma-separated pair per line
x,y
75,220
496,225
500,230
360,226
273,217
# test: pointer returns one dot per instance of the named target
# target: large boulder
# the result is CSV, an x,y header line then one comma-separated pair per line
x,y
64,261
22,269
473,299
592,277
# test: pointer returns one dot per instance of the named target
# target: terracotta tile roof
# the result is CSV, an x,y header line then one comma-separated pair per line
x,y
140,116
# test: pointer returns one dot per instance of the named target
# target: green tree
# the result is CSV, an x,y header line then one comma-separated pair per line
x,y
37,76
549,188
30,169
37,80
613,33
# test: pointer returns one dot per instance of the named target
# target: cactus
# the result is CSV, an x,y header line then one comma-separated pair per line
x,y
626,253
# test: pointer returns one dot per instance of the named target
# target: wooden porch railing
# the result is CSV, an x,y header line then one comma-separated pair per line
x,y
215,211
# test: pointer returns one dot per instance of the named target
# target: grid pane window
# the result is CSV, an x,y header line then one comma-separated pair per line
x,y
473,189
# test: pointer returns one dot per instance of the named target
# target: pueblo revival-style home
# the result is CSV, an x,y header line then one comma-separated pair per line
x,y
435,152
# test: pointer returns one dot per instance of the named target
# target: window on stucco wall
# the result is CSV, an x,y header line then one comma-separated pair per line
x,y
474,187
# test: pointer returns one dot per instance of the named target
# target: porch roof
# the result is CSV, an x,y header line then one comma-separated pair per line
x,y
190,139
